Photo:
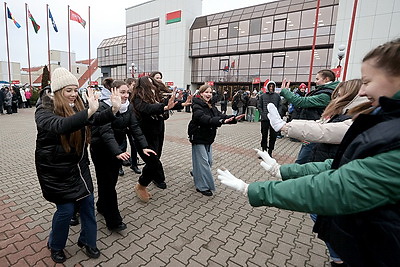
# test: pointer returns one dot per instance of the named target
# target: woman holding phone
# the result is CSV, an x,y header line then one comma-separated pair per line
x,y
202,130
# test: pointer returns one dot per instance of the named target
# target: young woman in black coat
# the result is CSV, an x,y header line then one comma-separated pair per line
x,y
150,106
107,154
61,159
202,129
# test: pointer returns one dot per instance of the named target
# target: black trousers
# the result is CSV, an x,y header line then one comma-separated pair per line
x,y
265,129
153,169
134,154
106,167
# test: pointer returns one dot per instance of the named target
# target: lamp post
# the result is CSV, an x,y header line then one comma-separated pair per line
x,y
133,69
341,54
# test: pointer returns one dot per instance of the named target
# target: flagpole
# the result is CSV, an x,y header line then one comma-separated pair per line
x,y
69,45
313,45
48,39
27,45
90,75
8,48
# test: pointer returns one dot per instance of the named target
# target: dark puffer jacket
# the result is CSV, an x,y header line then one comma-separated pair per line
x,y
202,128
111,135
63,177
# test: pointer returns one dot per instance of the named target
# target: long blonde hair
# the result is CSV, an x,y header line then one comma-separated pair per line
x,y
344,93
63,109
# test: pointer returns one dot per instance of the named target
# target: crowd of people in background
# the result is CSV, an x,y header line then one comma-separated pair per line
x,y
13,98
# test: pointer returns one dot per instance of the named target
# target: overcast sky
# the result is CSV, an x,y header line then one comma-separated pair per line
x,y
107,20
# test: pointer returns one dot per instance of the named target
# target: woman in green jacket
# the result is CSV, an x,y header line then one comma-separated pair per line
x,y
359,190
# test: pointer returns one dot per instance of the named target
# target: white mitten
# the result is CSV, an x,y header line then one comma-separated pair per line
x,y
228,179
274,118
269,164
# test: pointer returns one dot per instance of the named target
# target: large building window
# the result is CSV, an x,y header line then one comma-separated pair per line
x,y
145,42
270,40
279,25
278,61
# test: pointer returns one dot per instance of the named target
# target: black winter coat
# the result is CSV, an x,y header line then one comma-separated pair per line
x,y
370,238
63,177
202,129
264,100
324,151
111,135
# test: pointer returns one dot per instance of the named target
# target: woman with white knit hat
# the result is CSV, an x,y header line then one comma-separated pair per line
x,y
61,158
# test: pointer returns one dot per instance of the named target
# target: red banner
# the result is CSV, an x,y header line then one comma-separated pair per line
x,y
337,71
256,80
169,83
210,83
15,82
94,83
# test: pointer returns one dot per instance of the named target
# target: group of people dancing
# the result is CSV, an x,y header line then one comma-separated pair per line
x,y
348,180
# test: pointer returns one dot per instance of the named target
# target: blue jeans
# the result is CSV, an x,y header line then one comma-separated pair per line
x,y
250,113
305,153
60,224
334,256
202,163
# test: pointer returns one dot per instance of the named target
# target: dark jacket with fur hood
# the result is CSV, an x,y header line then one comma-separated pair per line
x,y
63,177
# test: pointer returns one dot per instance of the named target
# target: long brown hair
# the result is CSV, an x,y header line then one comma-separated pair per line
x,y
63,109
344,93
144,90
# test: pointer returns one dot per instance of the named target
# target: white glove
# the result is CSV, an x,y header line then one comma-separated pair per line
x,y
274,118
228,179
269,164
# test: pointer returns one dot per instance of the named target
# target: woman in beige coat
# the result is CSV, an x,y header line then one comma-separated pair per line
x,y
344,99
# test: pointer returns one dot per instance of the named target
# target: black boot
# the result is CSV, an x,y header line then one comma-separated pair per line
x,y
136,169
57,256
93,253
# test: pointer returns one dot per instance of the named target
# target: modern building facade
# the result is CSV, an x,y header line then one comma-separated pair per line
x,y
111,54
244,47
268,41
156,39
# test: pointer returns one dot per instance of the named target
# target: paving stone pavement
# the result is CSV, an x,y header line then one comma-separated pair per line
x,y
178,227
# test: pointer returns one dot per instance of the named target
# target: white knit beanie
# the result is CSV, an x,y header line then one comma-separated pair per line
x,y
61,78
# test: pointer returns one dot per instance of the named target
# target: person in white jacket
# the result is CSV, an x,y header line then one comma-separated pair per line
x,y
333,125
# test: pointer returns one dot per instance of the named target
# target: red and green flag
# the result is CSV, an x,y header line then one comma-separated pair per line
x,y
36,26
174,17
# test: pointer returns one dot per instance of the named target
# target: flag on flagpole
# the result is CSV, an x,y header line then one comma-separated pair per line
x,y
36,26
233,64
10,16
52,21
75,16
226,68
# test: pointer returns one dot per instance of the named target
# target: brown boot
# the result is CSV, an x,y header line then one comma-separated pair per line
x,y
142,193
